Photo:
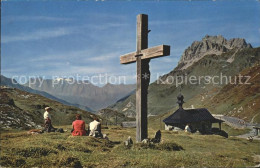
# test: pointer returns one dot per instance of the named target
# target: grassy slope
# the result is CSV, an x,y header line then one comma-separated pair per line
x,y
113,117
242,101
34,105
55,149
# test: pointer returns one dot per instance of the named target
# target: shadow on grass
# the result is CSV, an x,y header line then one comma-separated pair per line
x,y
69,162
168,146
12,162
34,152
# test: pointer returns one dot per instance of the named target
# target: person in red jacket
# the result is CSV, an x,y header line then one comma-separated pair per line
x,y
78,127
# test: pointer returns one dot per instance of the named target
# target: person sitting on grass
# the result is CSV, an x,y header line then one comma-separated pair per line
x,y
47,120
95,128
187,128
78,127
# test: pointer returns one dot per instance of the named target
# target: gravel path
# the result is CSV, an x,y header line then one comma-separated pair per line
x,y
251,133
239,124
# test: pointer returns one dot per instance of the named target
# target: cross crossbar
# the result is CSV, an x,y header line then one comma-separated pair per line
x,y
149,53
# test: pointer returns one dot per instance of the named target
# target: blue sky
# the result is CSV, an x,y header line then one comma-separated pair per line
x,y
86,38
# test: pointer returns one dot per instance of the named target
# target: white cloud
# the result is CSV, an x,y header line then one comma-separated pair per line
x,y
176,22
12,70
88,55
38,35
105,57
62,56
108,16
87,69
34,18
104,26
58,32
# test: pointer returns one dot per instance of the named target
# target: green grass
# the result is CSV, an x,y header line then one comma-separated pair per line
x,y
177,149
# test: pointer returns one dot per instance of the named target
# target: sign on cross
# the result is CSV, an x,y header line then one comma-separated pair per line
x,y
142,57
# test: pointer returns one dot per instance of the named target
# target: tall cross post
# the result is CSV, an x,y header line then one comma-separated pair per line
x,y
142,58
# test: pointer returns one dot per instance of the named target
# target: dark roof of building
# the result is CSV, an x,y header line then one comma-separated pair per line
x,y
182,116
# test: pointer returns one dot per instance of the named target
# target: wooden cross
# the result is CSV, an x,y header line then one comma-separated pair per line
x,y
142,56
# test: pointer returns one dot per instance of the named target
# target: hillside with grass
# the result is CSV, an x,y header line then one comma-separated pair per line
x,y
24,110
242,101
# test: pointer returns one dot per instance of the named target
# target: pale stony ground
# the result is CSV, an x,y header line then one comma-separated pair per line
x,y
238,124
251,133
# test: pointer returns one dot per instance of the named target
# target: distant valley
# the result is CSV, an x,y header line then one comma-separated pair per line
x,y
82,93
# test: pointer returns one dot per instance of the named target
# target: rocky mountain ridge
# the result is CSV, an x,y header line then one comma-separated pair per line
x,y
210,45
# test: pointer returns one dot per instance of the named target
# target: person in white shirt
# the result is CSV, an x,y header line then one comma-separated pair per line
x,y
187,128
95,128
47,120
46,114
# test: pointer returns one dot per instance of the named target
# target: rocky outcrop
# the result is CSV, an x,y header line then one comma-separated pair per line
x,y
12,116
23,110
210,45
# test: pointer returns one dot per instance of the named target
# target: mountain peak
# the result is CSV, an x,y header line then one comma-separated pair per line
x,y
108,85
219,39
210,45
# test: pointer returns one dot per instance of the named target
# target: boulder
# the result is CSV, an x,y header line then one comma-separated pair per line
x,y
157,137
